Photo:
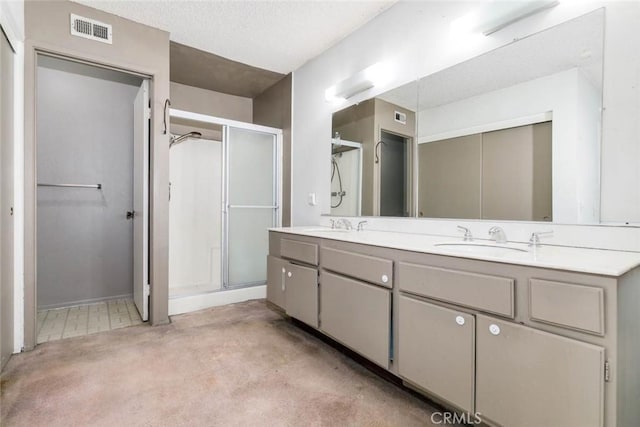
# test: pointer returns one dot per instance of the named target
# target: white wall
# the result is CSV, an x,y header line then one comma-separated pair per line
x,y
414,40
576,160
12,22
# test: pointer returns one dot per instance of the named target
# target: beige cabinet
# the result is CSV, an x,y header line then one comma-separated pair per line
x,y
436,350
526,377
357,314
276,274
301,293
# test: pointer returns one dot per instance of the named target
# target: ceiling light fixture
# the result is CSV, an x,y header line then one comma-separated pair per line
x,y
374,75
495,15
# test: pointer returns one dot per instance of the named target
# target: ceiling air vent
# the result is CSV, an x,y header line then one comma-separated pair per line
x,y
400,117
90,29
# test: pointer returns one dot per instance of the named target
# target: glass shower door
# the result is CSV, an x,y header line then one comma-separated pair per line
x,y
251,204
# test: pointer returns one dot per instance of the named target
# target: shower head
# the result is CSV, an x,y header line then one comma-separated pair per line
x,y
178,139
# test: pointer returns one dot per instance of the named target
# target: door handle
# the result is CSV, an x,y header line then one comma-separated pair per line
x,y
130,214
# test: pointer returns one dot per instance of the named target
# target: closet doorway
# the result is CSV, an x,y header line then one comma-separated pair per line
x,y
92,137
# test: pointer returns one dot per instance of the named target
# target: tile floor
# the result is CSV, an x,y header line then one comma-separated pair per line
x,y
86,319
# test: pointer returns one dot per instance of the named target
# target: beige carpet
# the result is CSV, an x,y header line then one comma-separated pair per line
x,y
239,365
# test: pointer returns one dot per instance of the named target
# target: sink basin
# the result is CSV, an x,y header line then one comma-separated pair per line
x,y
481,248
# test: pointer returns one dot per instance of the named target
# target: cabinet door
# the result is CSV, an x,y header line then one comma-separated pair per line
x,y
526,377
436,350
276,273
301,294
358,315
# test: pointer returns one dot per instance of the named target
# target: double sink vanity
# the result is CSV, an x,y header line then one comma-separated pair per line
x,y
519,335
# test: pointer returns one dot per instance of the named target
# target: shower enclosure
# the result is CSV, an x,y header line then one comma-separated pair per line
x,y
224,195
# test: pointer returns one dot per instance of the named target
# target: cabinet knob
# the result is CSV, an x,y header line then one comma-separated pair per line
x,y
385,278
284,270
289,274
494,329
460,320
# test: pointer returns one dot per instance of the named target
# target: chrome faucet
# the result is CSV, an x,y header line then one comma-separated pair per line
x,y
361,225
534,241
497,234
345,222
333,223
467,233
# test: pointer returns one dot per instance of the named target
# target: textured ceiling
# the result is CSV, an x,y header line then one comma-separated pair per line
x,y
275,35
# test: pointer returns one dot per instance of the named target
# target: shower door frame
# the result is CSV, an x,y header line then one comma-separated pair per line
x,y
277,185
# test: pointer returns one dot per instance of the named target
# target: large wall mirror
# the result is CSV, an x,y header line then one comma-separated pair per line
x,y
513,134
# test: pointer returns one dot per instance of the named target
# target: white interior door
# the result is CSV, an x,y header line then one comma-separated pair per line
x,y
141,116
6,200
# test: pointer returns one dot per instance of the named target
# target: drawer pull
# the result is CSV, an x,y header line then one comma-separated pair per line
x,y
494,329
289,274
460,320
385,278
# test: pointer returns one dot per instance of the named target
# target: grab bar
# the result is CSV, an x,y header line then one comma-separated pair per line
x,y
98,186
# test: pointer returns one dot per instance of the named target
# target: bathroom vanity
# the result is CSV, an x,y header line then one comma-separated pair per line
x,y
544,337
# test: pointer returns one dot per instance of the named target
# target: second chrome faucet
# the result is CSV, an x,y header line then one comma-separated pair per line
x,y
497,234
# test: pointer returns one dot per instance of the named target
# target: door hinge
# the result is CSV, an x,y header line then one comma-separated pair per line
x,y
147,289
607,372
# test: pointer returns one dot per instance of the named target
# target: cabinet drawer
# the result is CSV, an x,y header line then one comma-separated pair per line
x,y
299,251
365,267
356,314
566,304
493,294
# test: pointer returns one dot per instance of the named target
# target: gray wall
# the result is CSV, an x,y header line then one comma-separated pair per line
x,y
273,108
85,136
209,102
137,48
6,200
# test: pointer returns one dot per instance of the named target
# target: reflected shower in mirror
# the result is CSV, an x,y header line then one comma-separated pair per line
x,y
385,131
346,176
512,134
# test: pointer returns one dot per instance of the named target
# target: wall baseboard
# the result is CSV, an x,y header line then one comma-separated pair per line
x,y
198,302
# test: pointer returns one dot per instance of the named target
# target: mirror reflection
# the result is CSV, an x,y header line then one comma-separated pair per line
x,y
384,133
513,134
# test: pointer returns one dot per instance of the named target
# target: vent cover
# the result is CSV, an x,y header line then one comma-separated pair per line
x,y
400,117
90,29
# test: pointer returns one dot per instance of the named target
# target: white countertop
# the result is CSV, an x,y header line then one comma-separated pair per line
x,y
593,261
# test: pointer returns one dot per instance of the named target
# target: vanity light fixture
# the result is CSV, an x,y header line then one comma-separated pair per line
x,y
495,15
371,76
